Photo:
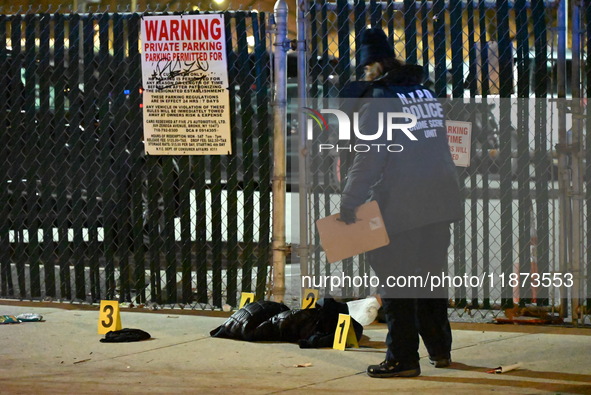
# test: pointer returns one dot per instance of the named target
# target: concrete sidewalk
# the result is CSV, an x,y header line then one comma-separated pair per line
x,y
63,355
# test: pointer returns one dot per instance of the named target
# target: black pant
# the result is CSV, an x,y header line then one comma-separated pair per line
x,y
407,318
413,310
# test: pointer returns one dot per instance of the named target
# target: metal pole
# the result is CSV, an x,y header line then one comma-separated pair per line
x,y
279,127
577,163
563,176
303,144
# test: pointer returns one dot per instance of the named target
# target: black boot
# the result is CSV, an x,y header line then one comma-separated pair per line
x,y
394,369
440,362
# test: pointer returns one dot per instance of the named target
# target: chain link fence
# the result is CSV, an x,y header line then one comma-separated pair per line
x,y
85,214
496,63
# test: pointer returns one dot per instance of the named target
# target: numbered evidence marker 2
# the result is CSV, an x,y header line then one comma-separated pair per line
x,y
310,298
344,335
109,317
246,298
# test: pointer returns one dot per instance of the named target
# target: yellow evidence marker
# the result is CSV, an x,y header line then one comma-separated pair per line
x,y
109,317
246,298
310,299
344,335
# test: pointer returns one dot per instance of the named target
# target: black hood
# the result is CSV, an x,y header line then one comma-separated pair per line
x,y
408,74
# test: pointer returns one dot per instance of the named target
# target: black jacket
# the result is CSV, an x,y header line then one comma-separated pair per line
x,y
417,186
272,321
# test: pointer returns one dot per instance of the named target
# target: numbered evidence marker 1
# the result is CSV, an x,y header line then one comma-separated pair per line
x,y
246,298
344,335
310,298
109,317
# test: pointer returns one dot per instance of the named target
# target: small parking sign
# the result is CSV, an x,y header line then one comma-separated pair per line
x,y
459,137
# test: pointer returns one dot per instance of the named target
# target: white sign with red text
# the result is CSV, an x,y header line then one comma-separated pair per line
x,y
459,137
186,103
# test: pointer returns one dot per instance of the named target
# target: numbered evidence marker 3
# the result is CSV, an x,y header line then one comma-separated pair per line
x,y
344,335
109,317
246,298
310,299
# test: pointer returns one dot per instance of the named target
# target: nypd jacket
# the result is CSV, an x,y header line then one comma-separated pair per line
x,y
409,171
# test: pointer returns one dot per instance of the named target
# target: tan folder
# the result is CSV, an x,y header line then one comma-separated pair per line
x,y
341,241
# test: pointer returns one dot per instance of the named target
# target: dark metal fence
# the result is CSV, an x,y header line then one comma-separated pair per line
x,y
85,214
499,60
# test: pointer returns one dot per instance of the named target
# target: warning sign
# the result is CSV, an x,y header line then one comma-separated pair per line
x,y
459,136
186,102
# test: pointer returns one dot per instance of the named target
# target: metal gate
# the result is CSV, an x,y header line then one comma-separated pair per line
x,y
85,214
505,62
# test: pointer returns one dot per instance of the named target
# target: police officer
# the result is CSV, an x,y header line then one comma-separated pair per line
x,y
417,190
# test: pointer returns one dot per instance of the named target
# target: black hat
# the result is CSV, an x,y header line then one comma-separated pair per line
x,y
373,46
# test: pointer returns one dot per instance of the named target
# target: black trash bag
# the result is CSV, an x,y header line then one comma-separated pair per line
x,y
272,321
326,326
125,335
289,326
310,328
243,323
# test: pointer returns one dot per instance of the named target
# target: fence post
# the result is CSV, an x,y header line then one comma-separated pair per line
x,y
279,162
303,151
577,164
587,8
563,176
